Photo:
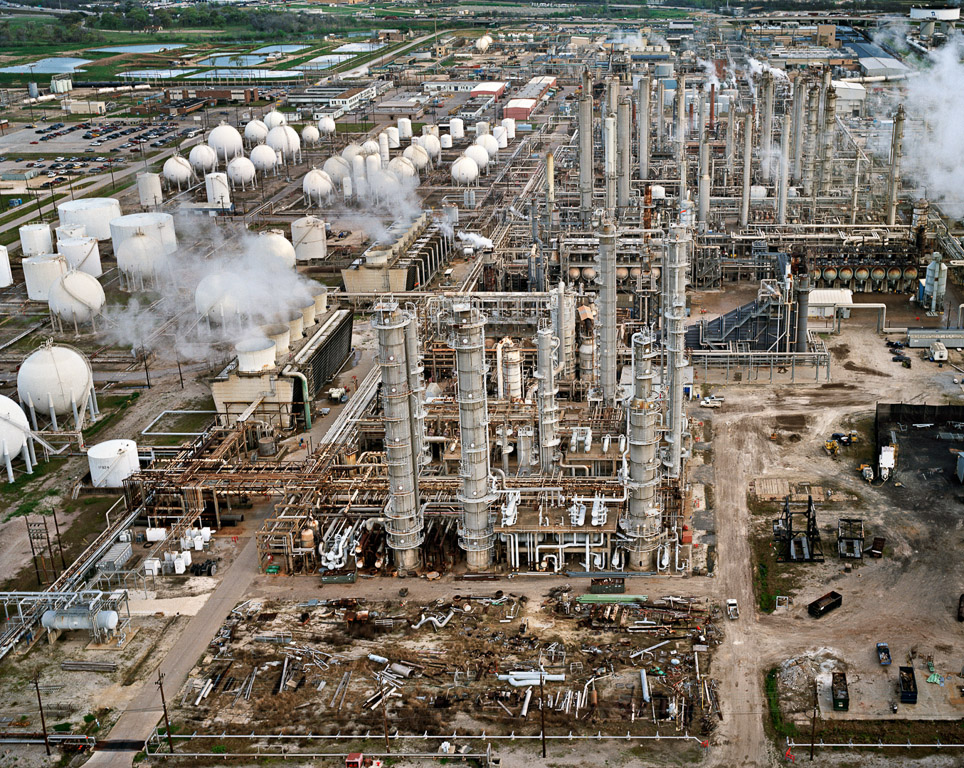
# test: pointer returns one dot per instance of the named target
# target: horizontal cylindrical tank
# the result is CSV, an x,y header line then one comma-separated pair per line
x,y
910,273
255,355
66,620
156,225
758,192
877,274
893,274
93,213
41,272
112,462
846,274
588,273
830,274
862,273
35,239
149,189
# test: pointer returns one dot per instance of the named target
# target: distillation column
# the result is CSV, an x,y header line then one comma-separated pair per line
x,y
766,139
404,525
642,123
624,146
606,323
416,386
609,161
643,521
660,112
747,168
703,211
675,265
800,88
548,408
564,327
585,148
784,178
829,122
467,337
681,120
810,153
896,150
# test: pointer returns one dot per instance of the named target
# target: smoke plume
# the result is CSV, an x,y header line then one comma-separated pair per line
x,y
476,241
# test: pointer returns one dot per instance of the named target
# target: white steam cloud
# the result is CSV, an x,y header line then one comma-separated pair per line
x,y
476,241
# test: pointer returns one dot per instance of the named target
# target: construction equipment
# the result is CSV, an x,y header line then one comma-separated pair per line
x,y
832,447
866,472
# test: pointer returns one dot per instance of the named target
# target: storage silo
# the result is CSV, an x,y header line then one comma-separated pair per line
x,y
112,462
309,239
156,225
56,380
81,253
41,272
14,432
76,298
149,190
35,239
94,214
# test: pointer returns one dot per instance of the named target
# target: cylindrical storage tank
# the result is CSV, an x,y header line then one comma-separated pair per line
x,y
226,142
404,128
41,272
13,427
512,372
846,274
217,190
280,336
394,140
326,126
6,274
337,168
373,164
478,155
93,213
310,135
457,128
74,230
500,136
156,225
149,191
264,158
66,620
815,274
446,141
430,129
635,272
319,293
55,376
829,274
140,258
465,170
862,274
255,132
296,324
178,171
272,246
586,350
76,298
35,239
255,355
383,149
588,273
203,159
481,129
346,187
509,124
112,462
308,238
274,119
241,171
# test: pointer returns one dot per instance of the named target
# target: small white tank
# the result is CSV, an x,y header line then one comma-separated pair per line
x,y
481,128
156,225
55,375
501,136
308,238
177,170
35,239
489,143
446,141
255,355
226,142
217,190
41,272
509,124
275,119
404,128
310,135
326,126
394,139
149,191
112,462
457,128
76,298
93,213
255,132
6,274
264,158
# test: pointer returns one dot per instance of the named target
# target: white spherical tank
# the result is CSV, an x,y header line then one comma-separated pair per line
x,y
13,427
326,126
369,147
501,137
272,246
509,124
241,171
351,151
157,225
140,258
403,168
275,119
112,462
203,159
149,192
255,355
35,239
465,170
41,272
308,238
417,155
178,171
404,128
255,132
55,376
457,128
489,143
477,153
76,298
337,168
226,142
217,190
284,139
394,141
432,145
93,213
264,158
6,274
310,135
73,230
218,297
81,253
483,43
317,186
446,141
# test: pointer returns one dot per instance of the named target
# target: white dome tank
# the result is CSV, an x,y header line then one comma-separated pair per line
x,y
255,355
76,298
446,141
394,141
13,427
71,230
203,159
351,151
41,272
403,168
465,170
6,274
310,135
337,168
404,128
273,247
93,213
149,191
226,142
255,132
218,297
432,145
159,226
489,143
457,128
264,158
57,376
308,238
417,155
479,155
217,190
370,147
483,43
501,136
140,258
112,462
509,124
178,171
284,139
241,171
81,253
317,186
275,119
35,239
326,126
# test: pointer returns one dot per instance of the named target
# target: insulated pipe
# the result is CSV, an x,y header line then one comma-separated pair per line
x,y
803,310
289,373
643,116
680,118
624,147
730,143
810,153
606,325
585,148
893,181
747,166
660,113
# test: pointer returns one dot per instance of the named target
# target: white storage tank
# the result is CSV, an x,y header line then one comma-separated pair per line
x,y
14,428
66,620
326,126
178,171
317,186
758,192
501,137
394,139
226,142
149,191
465,170
404,128
241,171
310,135
203,159
308,238
255,355
481,128
338,168
6,275
156,225
255,132
264,158
509,124
41,272
54,378
112,462
417,155
76,298
93,213
457,128
35,239
446,141
432,145
280,336
69,231
272,246
285,140
479,155
81,253
489,143
218,192
274,119
403,168
218,297
140,258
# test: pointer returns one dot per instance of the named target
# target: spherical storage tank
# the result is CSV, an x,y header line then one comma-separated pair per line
x,y
465,170
479,155
489,143
55,376
256,132
140,258
274,119
255,355
274,247
350,151
94,214
284,139
369,147
35,239
264,158
177,170
76,298
317,186
203,159
112,462
337,168
226,142
41,272
326,126
241,171
13,427
432,145
403,168
483,43
417,155
310,134
308,238
156,225
218,297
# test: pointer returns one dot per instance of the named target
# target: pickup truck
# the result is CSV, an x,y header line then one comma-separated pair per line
x,y
710,402
883,654
732,610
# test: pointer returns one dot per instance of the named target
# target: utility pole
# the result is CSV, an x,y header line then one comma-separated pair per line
x,y
542,711
43,720
60,543
167,722
813,720
388,744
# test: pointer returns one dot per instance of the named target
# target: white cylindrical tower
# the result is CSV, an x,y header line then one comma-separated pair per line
x,y
149,191
309,239
93,213
112,462
35,239
41,272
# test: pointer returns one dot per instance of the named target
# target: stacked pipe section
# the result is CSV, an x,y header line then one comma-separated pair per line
x,y
548,408
404,522
467,337
675,265
606,325
643,522
585,148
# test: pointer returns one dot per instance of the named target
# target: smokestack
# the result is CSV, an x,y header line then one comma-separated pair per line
x,y
675,264
829,122
747,169
585,149
893,181
606,323
624,145
784,187
766,139
548,408
643,117
803,309
609,158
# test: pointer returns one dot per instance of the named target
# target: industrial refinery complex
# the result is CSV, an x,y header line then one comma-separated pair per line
x,y
564,394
